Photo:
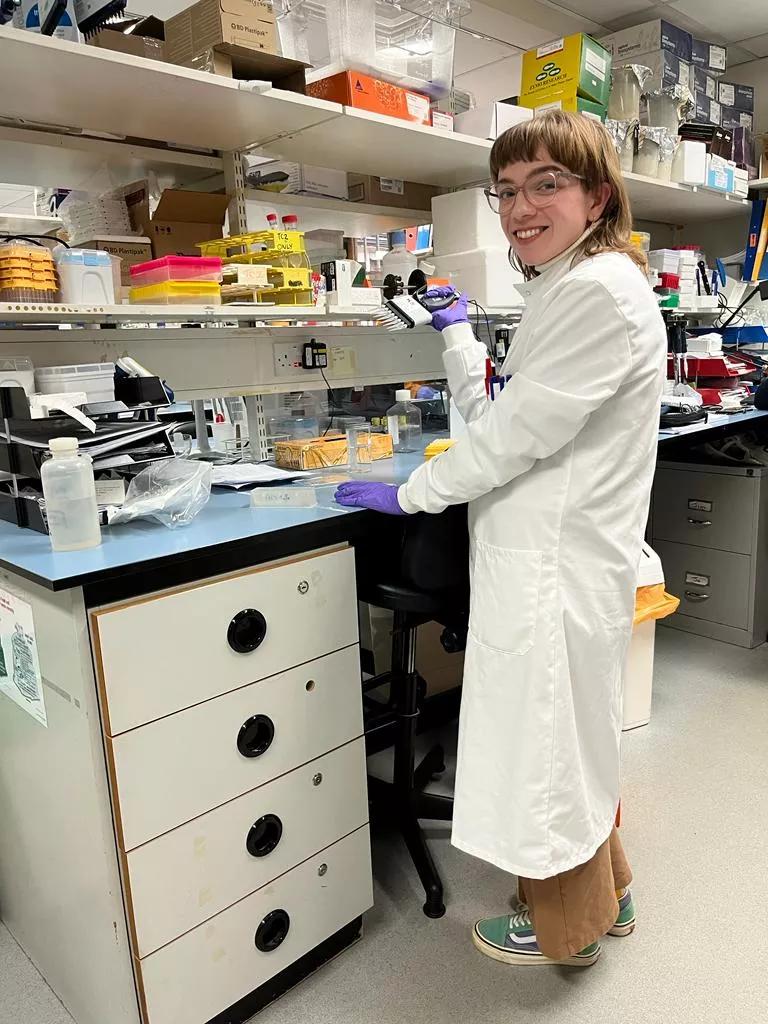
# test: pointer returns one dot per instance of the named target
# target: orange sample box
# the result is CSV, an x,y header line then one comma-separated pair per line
x,y
357,90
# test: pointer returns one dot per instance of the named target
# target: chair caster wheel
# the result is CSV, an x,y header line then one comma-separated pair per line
x,y
438,772
434,909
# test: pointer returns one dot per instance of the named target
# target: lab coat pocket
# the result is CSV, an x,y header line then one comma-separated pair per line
x,y
505,598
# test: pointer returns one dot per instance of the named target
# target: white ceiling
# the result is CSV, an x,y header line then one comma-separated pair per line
x,y
742,24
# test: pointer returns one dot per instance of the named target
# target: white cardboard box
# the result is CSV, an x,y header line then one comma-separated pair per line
x,y
689,165
464,220
293,179
489,121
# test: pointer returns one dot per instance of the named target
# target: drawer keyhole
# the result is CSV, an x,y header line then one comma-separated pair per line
x,y
255,736
247,631
272,931
264,835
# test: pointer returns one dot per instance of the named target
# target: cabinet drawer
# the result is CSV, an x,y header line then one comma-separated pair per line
x,y
158,655
196,871
173,770
207,970
705,509
711,585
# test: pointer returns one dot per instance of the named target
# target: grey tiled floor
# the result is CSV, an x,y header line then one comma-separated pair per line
x,y
695,826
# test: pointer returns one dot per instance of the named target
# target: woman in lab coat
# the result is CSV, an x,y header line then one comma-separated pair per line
x,y
557,472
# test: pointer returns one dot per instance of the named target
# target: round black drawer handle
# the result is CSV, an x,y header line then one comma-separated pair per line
x,y
264,835
247,631
255,736
272,931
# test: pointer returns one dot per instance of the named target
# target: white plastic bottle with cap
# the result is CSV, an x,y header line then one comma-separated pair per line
x,y
70,497
404,423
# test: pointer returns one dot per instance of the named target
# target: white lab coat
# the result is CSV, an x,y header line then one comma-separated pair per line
x,y
558,473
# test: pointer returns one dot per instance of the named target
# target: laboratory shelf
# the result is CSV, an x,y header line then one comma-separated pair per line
x,y
759,184
53,159
28,224
61,313
668,202
87,87
375,144
355,219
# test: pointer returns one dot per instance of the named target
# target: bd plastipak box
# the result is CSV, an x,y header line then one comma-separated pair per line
x,y
576,62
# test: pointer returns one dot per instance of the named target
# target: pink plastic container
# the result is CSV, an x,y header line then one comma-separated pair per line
x,y
176,268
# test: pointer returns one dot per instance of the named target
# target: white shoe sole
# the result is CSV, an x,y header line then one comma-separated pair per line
x,y
623,929
529,959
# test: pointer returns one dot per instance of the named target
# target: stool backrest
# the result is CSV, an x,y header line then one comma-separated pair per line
x,y
435,550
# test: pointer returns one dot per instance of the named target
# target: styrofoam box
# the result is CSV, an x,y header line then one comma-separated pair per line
x,y
689,165
489,121
463,221
97,380
484,274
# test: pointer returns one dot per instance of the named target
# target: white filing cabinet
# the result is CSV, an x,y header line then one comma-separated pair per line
x,y
233,732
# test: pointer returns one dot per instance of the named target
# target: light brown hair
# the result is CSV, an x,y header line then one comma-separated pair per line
x,y
583,146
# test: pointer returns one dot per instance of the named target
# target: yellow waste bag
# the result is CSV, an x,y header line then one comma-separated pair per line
x,y
654,603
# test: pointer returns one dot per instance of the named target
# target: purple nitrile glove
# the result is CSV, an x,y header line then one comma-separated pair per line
x,y
379,497
454,314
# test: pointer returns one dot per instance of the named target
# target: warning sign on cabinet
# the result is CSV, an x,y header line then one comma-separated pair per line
x,y
19,667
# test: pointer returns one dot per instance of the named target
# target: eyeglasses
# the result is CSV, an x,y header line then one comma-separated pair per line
x,y
540,190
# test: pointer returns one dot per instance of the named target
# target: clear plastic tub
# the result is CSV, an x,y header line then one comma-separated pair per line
x,y
400,43
171,293
176,268
97,380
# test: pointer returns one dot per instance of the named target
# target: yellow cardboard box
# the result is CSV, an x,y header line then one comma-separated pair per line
x,y
326,452
564,99
575,63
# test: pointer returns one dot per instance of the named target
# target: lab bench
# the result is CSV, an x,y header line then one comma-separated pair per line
x,y
188,836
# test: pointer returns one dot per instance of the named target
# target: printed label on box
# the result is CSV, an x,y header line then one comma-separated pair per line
x,y
595,64
717,58
395,186
711,89
547,48
20,678
110,492
727,94
418,106
697,579
715,111
683,74
746,120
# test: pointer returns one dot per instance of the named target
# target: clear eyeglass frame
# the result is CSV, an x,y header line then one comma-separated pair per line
x,y
540,190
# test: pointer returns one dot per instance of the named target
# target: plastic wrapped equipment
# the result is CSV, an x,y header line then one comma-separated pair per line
x,y
171,492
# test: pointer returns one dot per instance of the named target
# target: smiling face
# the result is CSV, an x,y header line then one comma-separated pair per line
x,y
539,233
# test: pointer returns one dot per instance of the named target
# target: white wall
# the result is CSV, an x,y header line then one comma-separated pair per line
x,y
755,73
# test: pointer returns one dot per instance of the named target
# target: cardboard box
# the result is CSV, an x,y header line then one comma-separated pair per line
x,y
575,63
701,81
355,89
732,117
145,39
131,250
209,24
708,56
653,35
667,70
705,110
720,174
294,179
326,452
180,221
491,120
245,65
741,182
406,195
565,99
732,94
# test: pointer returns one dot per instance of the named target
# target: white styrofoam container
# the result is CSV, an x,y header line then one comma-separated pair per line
x,y
484,274
463,221
488,122
97,380
689,166
638,668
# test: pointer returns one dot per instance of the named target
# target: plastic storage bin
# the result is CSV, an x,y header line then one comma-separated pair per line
x,y
86,277
170,293
97,380
176,268
403,46
17,372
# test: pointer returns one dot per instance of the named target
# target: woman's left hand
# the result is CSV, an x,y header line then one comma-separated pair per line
x,y
377,496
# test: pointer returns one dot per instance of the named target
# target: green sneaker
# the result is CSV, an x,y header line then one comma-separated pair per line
x,y
512,940
625,922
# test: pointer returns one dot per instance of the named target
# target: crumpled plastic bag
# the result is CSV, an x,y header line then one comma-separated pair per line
x,y
654,603
171,492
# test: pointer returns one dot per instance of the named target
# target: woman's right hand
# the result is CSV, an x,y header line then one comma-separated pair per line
x,y
456,313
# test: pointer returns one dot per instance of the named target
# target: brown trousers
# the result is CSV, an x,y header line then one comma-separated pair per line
x,y
572,910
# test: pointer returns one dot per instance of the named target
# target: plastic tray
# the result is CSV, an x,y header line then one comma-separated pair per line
x,y
176,268
204,293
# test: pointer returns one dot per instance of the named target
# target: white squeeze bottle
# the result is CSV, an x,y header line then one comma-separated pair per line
x,y
404,423
70,497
